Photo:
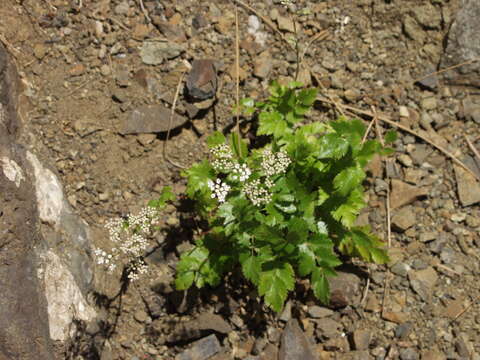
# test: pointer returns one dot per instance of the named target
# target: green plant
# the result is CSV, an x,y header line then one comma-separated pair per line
x,y
285,209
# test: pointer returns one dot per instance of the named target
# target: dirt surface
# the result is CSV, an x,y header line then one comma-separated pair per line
x,y
86,75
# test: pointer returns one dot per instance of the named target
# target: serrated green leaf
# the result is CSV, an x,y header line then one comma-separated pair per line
x,y
198,176
348,179
308,96
322,196
331,146
215,139
251,268
295,84
189,266
379,256
272,123
347,212
306,259
320,285
275,283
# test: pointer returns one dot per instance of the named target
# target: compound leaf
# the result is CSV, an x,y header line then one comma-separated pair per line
x,y
275,284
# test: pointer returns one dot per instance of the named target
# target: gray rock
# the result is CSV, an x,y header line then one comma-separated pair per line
x,y
400,269
409,354
197,327
294,344
428,16
413,30
404,219
155,52
286,314
423,282
202,80
318,312
361,339
467,187
344,289
464,44
328,328
122,8
149,119
403,330
471,110
429,103
431,81
202,349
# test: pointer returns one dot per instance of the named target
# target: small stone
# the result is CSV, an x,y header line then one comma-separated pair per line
x,y
428,16
404,219
285,24
122,8
467,187
232,71
428,236
433,355
344,289
395,316
403,193
454,308
202,79
318,312
403,111
413,30
361,339
403,330
373,305
262,65
294,344
429,103
409,354
338,344
149,119
155,52
400,269
423,282
328,328
405,160
105,70
201,349
141,316
140,31
146,139
77,70
286,314
39,50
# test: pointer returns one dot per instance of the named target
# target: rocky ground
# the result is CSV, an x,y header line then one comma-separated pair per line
x,y
101,77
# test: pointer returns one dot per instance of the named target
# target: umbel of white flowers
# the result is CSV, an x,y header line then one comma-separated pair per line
x,y
257,190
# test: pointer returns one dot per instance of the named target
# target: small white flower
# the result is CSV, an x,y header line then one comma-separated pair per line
x,y
257,194
274,163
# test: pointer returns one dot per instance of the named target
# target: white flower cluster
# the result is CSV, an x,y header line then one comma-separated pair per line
x,y
241,172
257,193
274,163
219,189
223,158
131,240
286,2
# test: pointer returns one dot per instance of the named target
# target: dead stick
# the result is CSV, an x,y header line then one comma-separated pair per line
x,y
466,308
172,113
237,80
472,147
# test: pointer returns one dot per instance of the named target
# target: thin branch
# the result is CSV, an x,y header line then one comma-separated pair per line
x,y
466,308
447,69
172,113
472,147
237,80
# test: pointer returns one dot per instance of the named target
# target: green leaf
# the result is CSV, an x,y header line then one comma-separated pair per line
x,y
331,146
322,227
348,179
275,283
320,285
347,212
189,266
306,259
165,195
308,96
215,139
272,123
390,136
198,176
251,268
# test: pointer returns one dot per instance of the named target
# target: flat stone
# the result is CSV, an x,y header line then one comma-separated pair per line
x,y
202,349
433,355
149,119
344,289
328,328
429,103
285,24
468,187
294,344
361,339
404,219
423,282
262,65
318,312
413,30
202,79
155,52
396,316
404,194
409,354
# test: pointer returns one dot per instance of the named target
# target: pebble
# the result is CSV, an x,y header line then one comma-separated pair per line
x,y
122,8
403,193
413,30
294,344
423,282
319,312
202,349
429,103
155,52
467,186
361,339
409,354
285,24
202,79
404,219
262,65
428,16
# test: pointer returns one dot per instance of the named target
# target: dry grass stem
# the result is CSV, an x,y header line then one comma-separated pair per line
x,y
472,147
237,78
468,307
447,69
172,113
144,10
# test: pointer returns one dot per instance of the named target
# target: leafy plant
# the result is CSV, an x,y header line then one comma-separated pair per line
x,y
287,209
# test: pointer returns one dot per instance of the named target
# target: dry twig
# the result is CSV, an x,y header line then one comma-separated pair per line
x,y
466,308
237,78
172,113
472,147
